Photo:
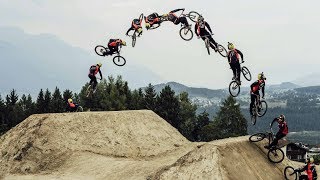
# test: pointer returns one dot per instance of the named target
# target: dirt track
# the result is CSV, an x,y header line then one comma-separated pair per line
x,y
124,145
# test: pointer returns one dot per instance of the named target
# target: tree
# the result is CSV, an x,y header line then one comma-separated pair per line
x,y
168,106
57,103
47,101
186,116
150,97
136,100
3,126
228,123
202,121
40,102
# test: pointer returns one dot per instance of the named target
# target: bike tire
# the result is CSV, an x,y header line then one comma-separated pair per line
x,y
88,91
257,137
234,88
193,16
155,26
222,51
264,108
246,73
289,173
100,50
79,109
184,31
134,39
275,155
119,60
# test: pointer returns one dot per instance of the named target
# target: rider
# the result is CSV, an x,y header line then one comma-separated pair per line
x,y
152,19
255,87
200,30
310,170
94,69
234,58
136,26
176,19
72,107
113,46
283,130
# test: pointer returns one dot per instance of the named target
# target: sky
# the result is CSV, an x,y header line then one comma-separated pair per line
x,y
279,38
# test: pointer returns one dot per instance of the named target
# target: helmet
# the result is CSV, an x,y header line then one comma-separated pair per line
x,y
99,64
148,25
230,46
70,100
200,18
261,76
309,160
282,117
123,43
139,30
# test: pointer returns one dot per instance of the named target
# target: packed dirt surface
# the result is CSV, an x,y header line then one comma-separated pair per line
x,y
124,145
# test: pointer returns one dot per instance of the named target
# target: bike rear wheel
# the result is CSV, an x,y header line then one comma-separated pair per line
x,y
119,60
79,109
234,88
246,73
193,16
263,108
100,50
289,173
186,33
257,137
134,39
275,155
222,51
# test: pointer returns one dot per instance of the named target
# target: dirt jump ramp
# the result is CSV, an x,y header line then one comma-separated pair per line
x,y
124,145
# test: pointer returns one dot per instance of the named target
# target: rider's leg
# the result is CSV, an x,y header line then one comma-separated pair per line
x,y
182,20
253,100
232,65
213,42
238,70
95,82
279,135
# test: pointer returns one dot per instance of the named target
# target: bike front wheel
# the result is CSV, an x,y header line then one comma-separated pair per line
x,y
193,16
289,173
234,88
100,50
253,119
79,109
119,60
186,33
222,51
257,137
155,26
275,155
262,108
246,73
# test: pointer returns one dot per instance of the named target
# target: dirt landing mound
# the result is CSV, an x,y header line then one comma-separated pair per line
x,y
124,145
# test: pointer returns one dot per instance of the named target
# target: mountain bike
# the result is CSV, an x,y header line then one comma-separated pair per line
x,y
90,91
222,51
134,38
259,109
234,86
117,60
275,154
185,31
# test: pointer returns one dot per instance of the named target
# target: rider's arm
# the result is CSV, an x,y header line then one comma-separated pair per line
x,y
176,10
240,54
208,26
262,90
100,73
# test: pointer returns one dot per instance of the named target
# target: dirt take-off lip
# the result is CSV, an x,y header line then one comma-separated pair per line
x,y
124,145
